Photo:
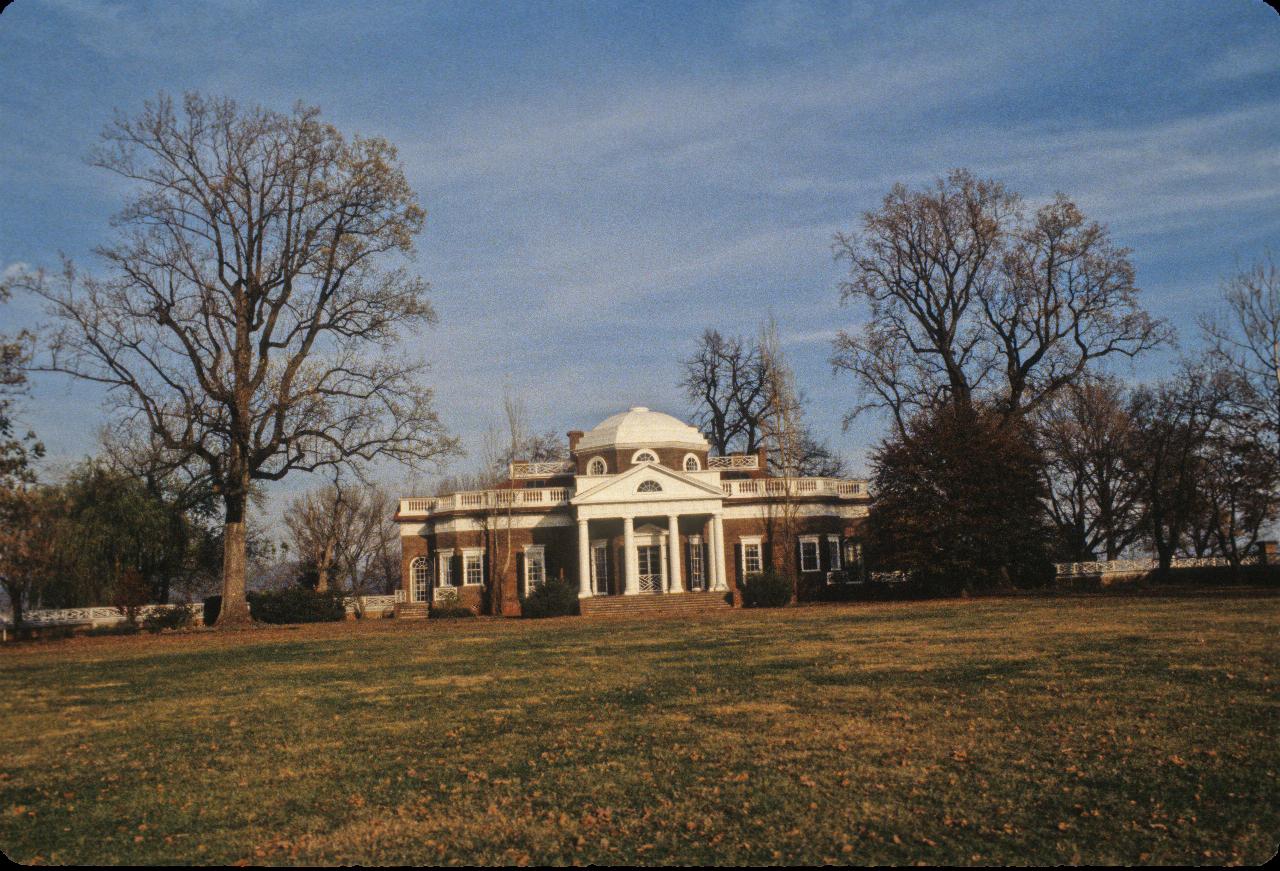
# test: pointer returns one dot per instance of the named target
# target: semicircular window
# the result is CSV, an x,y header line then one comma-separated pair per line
x,y
645,457
649,487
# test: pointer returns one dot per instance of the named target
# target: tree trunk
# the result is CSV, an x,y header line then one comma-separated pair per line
x,y
235,607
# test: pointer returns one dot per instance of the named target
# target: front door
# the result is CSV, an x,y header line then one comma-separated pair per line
x,y
600,569
649,557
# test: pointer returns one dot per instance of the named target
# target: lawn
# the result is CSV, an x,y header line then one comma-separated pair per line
x,y
1013,730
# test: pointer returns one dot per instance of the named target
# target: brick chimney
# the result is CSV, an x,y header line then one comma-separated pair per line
x,y
575,435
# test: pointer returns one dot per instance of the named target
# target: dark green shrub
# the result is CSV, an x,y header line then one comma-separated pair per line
x,y
177,617
113,629
449,610
769,589
556,597
296,605
212,606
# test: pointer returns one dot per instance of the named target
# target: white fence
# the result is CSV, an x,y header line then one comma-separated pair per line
x,y
1107,567
368,606
95,616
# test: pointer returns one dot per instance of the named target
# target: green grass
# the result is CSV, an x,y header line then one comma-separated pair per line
x,y
1018,730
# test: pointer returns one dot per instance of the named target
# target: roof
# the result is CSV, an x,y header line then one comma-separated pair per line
x,y
639,427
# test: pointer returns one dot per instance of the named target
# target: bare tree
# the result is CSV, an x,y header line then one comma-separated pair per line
x,y
1172,422
1245,339
784,438
250,314
345,537
968,299
1085,433
1238,484
726,380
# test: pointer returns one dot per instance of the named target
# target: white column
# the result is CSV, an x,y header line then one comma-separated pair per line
x,y
717,546
708,558
675,584
584,560
630,557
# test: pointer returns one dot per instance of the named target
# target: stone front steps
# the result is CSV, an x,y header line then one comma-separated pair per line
x,y
656,605
411,610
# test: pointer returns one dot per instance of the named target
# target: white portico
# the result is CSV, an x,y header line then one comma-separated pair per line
x,y
625,480
652,501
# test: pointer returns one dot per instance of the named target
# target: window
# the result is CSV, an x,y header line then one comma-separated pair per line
x,y
535,566
649,487
833,552
419,578
697,571
691,463
445,574
597,467
473,567
809,554
752,560
644,456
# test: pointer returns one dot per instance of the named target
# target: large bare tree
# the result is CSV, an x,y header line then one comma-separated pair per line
x,y
251,308
969,298
726,380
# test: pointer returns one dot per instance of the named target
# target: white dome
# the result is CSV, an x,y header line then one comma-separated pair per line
x,y
639,427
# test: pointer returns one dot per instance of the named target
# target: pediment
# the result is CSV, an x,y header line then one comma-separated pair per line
x,y
647,483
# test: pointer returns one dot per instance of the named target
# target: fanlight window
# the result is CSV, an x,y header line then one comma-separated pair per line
x,y
691,463
596,467
649,487
644,457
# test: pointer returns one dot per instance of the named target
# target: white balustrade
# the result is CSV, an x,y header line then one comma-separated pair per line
x,y
842,488
483,499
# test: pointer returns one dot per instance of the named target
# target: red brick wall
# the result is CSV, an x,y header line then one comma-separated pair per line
x,y
619,460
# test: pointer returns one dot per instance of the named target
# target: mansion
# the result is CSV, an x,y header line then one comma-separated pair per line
x,y
640,509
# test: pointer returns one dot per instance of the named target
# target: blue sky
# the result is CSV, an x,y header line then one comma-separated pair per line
x,y
605,180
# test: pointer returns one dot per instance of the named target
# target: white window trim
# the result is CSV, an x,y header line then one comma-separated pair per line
x,y
541,551
444,568
467,554
697,464
419,564
817,553
602,461
744,543
835,552
657,486
650,451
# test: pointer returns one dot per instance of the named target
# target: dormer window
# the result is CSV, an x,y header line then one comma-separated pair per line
x,y
691,463
597,467
649,487
644,456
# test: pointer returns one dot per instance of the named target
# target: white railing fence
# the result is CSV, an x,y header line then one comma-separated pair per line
x,y
93,616
106,615
541,470
735,462
1106,567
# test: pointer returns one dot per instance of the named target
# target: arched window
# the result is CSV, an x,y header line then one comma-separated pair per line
x,y
644,456
649,487
597,467
691,463
419,578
